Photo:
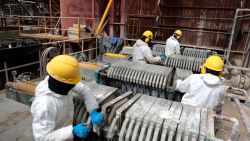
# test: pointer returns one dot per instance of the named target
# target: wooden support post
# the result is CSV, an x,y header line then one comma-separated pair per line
x,y
44,18
64,47
18,22
6,72
82,46
93,14
38,23
112,16
96,46
50,14
123,16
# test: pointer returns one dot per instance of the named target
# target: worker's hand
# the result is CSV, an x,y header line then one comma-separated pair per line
x,y
163,57
96,117
81,131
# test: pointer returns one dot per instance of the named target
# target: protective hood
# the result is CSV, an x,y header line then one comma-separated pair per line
x,y
140,43
210,79
173,38
42,88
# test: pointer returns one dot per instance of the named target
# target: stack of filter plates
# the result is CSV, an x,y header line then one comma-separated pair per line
x,y
147,118
159,48
181,74
184,62
193,52
103,93
139,77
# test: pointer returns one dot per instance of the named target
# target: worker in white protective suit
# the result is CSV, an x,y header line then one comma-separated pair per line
x,y
172,44
52,109
205,89
142,52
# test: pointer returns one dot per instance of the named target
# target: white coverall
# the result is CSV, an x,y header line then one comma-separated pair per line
x,y
142,53
53,113
201,90
172,46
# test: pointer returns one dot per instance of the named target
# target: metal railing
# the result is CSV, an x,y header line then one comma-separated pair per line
x,y
90,51
50,25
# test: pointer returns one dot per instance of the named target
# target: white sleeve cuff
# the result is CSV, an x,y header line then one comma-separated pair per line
x,y
66,133
178,83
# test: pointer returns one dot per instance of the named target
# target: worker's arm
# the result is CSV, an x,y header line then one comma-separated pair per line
x,y
167,52
86,94
221,94
149,57
183,85
43,124
177,49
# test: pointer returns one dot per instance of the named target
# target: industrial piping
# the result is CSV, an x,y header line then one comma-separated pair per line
x,y
241,90
234,133
244,116
103,18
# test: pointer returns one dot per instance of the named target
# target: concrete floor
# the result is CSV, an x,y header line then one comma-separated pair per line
x,y
16,119
230,110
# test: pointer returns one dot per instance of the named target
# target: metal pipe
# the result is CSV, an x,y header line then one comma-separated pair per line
x,y
234,132
20,66
244,116
238,89
103,17
69,40
232,32
247,15
237,67
232,96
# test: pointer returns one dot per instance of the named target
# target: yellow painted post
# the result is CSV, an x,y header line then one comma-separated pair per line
x,y
79,29
103,18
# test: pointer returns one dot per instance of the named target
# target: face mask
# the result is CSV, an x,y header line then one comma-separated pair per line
x,y
59,87
150,44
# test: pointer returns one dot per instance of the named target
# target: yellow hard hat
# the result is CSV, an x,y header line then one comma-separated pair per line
x,y
149,35
65,69
214,63
178,32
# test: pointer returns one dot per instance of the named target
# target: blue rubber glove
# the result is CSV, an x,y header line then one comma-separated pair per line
x,y
96,117
80,131
163,57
